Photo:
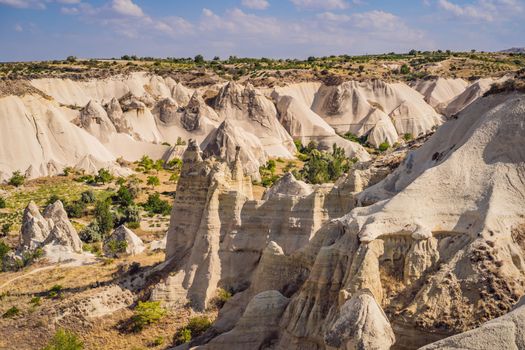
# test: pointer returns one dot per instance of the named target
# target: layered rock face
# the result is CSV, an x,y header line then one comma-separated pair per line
x,y
439,246
440,91
380,110
250,110
218,232
293,104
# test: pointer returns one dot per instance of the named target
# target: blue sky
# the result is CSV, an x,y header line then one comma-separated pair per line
x,y
54,29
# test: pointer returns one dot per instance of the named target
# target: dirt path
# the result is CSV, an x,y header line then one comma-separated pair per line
x,y
40,269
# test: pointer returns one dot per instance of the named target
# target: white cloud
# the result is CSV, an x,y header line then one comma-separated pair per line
x,y
18,28
256,4
24,3
321,4
127,8
485,10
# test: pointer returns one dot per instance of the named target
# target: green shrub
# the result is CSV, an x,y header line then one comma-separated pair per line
x,y
6,228
11,312
158,341
35,301
55,290
17,179
146,163
115,247
75,209
156,205
384,146
146,313
68,170
88,197
405,69
198,325
64,340
153,181
174,164
4,249
91,233
3,204
354,138
124,196
408,137
183,336
322,167
53,198
222,297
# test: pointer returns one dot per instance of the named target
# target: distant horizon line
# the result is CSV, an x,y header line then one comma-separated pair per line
x,y
134,57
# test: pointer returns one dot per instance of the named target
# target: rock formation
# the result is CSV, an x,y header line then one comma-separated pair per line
x,y
418,256
122,235
95,120
305,125
440,91
250,110
62,233
258,325
361,324
375,109
230,142
35,228
52,232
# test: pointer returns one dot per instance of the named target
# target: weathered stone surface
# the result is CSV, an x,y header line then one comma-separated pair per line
x,y
257,327
505,332
134,244
63,233
35,228
361,324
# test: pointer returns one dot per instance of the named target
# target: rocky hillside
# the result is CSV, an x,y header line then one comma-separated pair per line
x,y
418,244
49,124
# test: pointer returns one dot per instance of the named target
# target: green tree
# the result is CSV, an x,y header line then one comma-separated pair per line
x,y
405,69
103,176
124,196
199,59
17,179
3,203
104,217
156,205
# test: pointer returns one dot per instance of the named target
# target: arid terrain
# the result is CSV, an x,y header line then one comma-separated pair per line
x,y
341,202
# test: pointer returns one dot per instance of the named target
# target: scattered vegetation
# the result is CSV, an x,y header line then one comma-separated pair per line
x,y
145,314
267,172
384,146
156,205
17,179
321,166
64,340
196,326
11,312
55,292
221,298
115,247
